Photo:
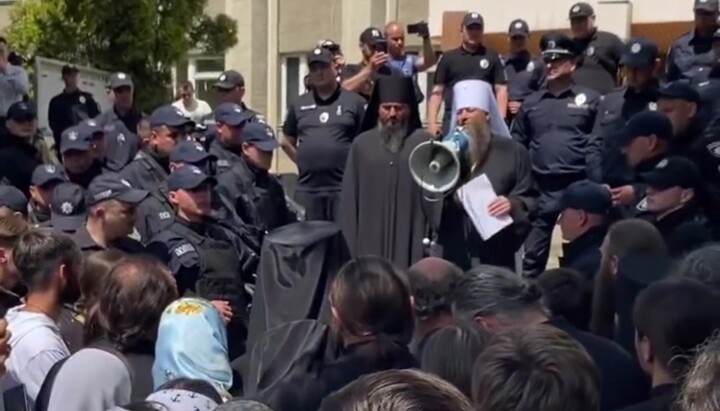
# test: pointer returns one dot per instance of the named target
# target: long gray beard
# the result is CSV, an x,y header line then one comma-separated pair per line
x,y
393,135
479,141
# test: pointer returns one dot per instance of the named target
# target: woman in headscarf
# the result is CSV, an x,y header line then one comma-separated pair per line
x,y
192,343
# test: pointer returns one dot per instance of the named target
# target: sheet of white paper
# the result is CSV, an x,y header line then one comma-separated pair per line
x,y
475,196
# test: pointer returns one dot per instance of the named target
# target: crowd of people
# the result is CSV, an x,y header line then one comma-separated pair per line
x,y
153,262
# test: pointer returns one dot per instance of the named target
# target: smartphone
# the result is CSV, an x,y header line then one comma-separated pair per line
x,y
381,46
414,28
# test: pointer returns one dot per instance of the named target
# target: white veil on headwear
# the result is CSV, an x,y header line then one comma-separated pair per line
x,y
478,94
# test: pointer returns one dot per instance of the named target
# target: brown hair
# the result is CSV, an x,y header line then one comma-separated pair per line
x,y
536,368
11,228
95,270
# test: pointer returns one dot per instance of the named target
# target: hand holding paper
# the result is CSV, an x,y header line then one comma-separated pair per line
x,y
488,212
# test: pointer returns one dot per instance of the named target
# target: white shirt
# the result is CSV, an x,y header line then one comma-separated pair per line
x,y
36,345
201,109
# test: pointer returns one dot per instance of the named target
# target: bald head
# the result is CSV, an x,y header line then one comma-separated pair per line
x,y
395,35
432,282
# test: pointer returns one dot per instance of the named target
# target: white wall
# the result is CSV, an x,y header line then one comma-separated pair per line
x,y
549,14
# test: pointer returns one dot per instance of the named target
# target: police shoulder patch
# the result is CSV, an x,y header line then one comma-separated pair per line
x,y
714,149
642,205
183,249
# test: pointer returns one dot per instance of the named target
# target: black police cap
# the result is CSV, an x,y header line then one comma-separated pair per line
x,y
640,52
679,90
557,43
12,198
647,123
581,10
672,172
587,196
518,27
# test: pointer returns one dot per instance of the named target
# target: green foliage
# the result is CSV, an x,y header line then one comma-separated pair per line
x,y
142,37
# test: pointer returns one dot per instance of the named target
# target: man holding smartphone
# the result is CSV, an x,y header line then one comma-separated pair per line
x,y
408,64
360,77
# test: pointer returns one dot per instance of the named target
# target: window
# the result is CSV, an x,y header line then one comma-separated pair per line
x,y
293,75
204,71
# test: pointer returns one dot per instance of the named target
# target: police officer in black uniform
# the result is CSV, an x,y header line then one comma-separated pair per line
x,y
67,209
71,106
555,124
200,253
151,164
471,61
319,127
78,157
599,51
231,89
18,153
639,60
44,179
98,144
691,55
230,118
111,202
120,123
13,201
524,72
257,195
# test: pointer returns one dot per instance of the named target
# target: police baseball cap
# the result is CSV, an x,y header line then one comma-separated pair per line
x,y
111,186
587,196
46,174
90,127
679,90
519,27
261,136
67,207
13,198
706,5
640,52
581,10
473,19
169,116
229,80
69,69
75,138
647,123
190,152
557,44
189,177
118,80
21,111
673,172
231,114
371,36
320,55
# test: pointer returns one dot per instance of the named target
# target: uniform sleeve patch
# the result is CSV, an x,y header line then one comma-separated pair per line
x,y
183,249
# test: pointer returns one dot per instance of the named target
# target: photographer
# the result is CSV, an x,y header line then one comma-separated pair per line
x,y
14,83
409,65
360,77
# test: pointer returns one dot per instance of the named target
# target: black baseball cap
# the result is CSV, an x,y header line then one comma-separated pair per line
x,y
320,55
75,138
706,5
581,10
46,174
674,171
557,44
69,69
371,36
190,152
14,199
120,79
21,111
261,136
587,196
90,127
188,177
679,90
519,27
169,116
111,186
647,123
231,114
330,45
473,19
229,80
67,207
640,52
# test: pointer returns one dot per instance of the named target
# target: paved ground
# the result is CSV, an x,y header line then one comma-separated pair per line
x,y
284,167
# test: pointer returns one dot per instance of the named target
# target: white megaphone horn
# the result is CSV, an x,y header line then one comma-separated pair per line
x,y
436,166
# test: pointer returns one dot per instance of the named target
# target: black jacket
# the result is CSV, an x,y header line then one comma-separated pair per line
x,y
583,253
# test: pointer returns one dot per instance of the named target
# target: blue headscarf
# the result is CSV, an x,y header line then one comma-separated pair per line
x,y
192,343
478,94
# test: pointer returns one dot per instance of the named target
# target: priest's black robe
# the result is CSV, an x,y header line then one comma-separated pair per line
x,y
381,206
507,166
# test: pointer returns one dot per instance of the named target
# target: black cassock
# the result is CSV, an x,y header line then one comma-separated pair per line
x,y
507,166
381,206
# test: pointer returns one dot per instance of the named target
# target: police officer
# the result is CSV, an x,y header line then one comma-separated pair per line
x,y
319,127
471,61
68,211
120,123
599,51
78,157
151,164
709,89
672,204
201,254
690,55
111,202
44,179
555,124
639,60
19,155
257,195
98,144
12,201
523,71
71,106
586,207
230,119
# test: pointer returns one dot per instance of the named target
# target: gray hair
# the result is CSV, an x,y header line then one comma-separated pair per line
x,y
490,290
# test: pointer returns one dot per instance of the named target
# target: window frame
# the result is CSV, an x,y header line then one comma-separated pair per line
x,y
302,72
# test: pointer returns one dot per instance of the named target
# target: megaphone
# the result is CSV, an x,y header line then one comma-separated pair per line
x,y
436,166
